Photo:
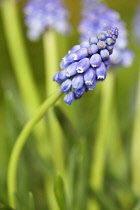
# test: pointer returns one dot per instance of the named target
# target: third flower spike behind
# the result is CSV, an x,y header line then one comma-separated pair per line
x,y
85,65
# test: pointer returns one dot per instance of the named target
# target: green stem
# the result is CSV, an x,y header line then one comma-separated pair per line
x,y
135,153
22,68
80,188
116,153
51,66
56,138
18,54
21,140
100,146
51,60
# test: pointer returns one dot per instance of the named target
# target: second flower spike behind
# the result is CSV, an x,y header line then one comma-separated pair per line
x,y
85,65
97,16
41,15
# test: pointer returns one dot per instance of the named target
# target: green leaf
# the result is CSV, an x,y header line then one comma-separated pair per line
x,y
137,207
66,125
31,201
4,206
122,191
81,175
60,194
104,201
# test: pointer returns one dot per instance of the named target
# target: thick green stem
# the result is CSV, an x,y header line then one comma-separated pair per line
x,y
55,131
100,146
51,60
21,140
80,190
51,66
116,153
22,68
18,54
135,153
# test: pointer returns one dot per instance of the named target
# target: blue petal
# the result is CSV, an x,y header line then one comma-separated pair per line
x,y
62,74
84,44
107,62
69,98
101,37
71,69
81,53
92,49
66,85
104,54
79,92
95,60
101,45
91,87
110,41
69,58
74,49
78,81
56,77
93,40
90,76
83,65
101,72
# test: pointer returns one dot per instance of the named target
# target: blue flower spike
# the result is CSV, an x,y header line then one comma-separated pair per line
x,y
85,65
97,18
41,15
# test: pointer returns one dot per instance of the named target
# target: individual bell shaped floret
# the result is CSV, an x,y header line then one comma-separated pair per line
x,y
97,16
82,68
44,14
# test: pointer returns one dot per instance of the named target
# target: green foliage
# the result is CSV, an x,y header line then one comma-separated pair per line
x,y
5,207
98,135
60,192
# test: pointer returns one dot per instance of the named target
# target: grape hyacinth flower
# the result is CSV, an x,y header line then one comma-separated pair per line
x,y
85,65
96,17
44,14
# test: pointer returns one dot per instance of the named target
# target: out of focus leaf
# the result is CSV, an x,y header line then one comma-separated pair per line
x,y
4,206
137,207
103,200
60,192
122,191
81,175
31,202
71,175
67,126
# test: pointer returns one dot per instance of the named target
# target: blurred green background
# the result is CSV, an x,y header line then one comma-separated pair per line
x,y
80,125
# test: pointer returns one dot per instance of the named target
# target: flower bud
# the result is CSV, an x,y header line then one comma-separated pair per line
x,y
95,60
83,65
69,98
101,72
66,85
78,81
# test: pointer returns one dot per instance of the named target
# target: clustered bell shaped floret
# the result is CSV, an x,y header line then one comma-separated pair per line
x,y
85,65
98,16
45,14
